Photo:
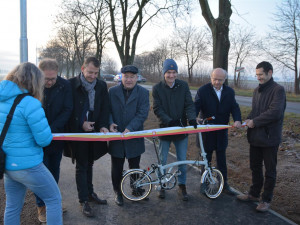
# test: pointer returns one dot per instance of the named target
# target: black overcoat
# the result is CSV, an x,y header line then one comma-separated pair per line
x,y
208,104
58,107
100,117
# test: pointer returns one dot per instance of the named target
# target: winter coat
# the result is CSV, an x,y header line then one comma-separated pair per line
x,y
208,104
58,107
268,105
174,103
100,117
130,115
28,132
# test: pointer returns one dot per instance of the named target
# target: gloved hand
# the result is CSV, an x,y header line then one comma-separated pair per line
x,y
174,123
194,123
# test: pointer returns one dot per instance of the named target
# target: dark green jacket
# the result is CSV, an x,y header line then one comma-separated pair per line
x,y
174,103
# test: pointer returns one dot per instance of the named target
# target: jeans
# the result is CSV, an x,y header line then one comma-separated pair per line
x,y
181,150
40,181
52,162
117,169
258,156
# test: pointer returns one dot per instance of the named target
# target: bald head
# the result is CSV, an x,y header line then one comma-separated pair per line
x,y
218,77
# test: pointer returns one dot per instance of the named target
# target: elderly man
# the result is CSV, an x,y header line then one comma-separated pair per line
x,y
264,135
173,106
129,107
58,107
90,113
218,100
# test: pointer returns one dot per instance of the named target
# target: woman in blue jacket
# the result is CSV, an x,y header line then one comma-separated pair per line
x,y
28,133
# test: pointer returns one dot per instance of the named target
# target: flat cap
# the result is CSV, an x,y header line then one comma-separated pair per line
x,y
130,68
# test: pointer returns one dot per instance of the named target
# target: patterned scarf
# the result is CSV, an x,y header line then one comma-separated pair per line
x,y
90,88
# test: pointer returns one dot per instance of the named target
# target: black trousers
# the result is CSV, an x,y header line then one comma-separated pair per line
x,y
117,165
260,156
221,161
84,171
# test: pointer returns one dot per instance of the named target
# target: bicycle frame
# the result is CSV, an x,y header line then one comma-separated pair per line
x,y
160,169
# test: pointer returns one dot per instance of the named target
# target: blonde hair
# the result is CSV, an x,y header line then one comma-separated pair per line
x,y
48,64
28,76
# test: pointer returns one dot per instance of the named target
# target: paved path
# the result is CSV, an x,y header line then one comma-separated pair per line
x,y
199,210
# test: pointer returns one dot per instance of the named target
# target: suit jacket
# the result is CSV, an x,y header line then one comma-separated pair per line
x,y
208,104
130,115
100,117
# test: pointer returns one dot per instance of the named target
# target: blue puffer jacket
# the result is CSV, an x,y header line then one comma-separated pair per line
x,y
28,132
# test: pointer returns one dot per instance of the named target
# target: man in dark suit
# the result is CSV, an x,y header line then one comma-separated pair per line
x,y
90,114
129,107
218,100
58,107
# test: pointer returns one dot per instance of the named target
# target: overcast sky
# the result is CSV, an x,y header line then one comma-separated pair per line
x,y
40,27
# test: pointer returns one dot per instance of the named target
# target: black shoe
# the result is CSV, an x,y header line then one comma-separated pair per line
x,y
94,198
162,194
119,199
86,209
182,192
228,190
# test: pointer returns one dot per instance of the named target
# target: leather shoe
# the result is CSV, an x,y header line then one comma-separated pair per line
x,y
182,192
86,209
94,198
119,199
228,190
263,207
247,198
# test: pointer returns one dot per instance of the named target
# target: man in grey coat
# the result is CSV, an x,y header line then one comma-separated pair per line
x,y
264,135
129,107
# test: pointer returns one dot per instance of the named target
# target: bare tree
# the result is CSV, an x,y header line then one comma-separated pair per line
x,y
109,65
220,31
284,41
243,46
129,17
94,17
193,45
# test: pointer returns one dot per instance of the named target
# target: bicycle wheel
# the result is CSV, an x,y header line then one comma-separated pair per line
x,y
136,185
212,185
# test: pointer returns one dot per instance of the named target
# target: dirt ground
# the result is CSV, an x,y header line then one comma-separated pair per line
x,y
286,199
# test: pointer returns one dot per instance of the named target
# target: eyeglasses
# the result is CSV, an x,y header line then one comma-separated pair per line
x,y
50,79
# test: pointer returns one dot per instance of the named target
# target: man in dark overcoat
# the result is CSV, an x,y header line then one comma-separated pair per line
x,y
218,100
90,114
58,105
129,107
264,135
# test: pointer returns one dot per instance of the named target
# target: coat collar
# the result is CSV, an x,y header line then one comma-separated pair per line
x,y
120,94
223,93
55,90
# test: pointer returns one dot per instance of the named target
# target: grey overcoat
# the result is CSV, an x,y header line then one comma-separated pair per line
x,y
130,115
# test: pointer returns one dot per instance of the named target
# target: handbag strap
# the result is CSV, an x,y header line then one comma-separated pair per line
x,y
10,116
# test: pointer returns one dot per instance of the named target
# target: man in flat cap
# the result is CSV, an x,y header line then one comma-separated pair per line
x,y
129,107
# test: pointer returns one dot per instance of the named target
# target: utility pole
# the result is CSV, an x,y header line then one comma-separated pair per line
x,y
23,26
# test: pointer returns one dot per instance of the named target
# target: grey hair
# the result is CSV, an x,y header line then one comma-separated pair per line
x,y
28,76
224,71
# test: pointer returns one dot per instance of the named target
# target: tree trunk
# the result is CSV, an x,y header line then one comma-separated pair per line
x,y
220,31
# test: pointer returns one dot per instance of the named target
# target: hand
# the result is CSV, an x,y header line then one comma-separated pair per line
x,y
174,123
237,124
104,130
250,123
113,128
194,123
199,120
126,131
88,126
